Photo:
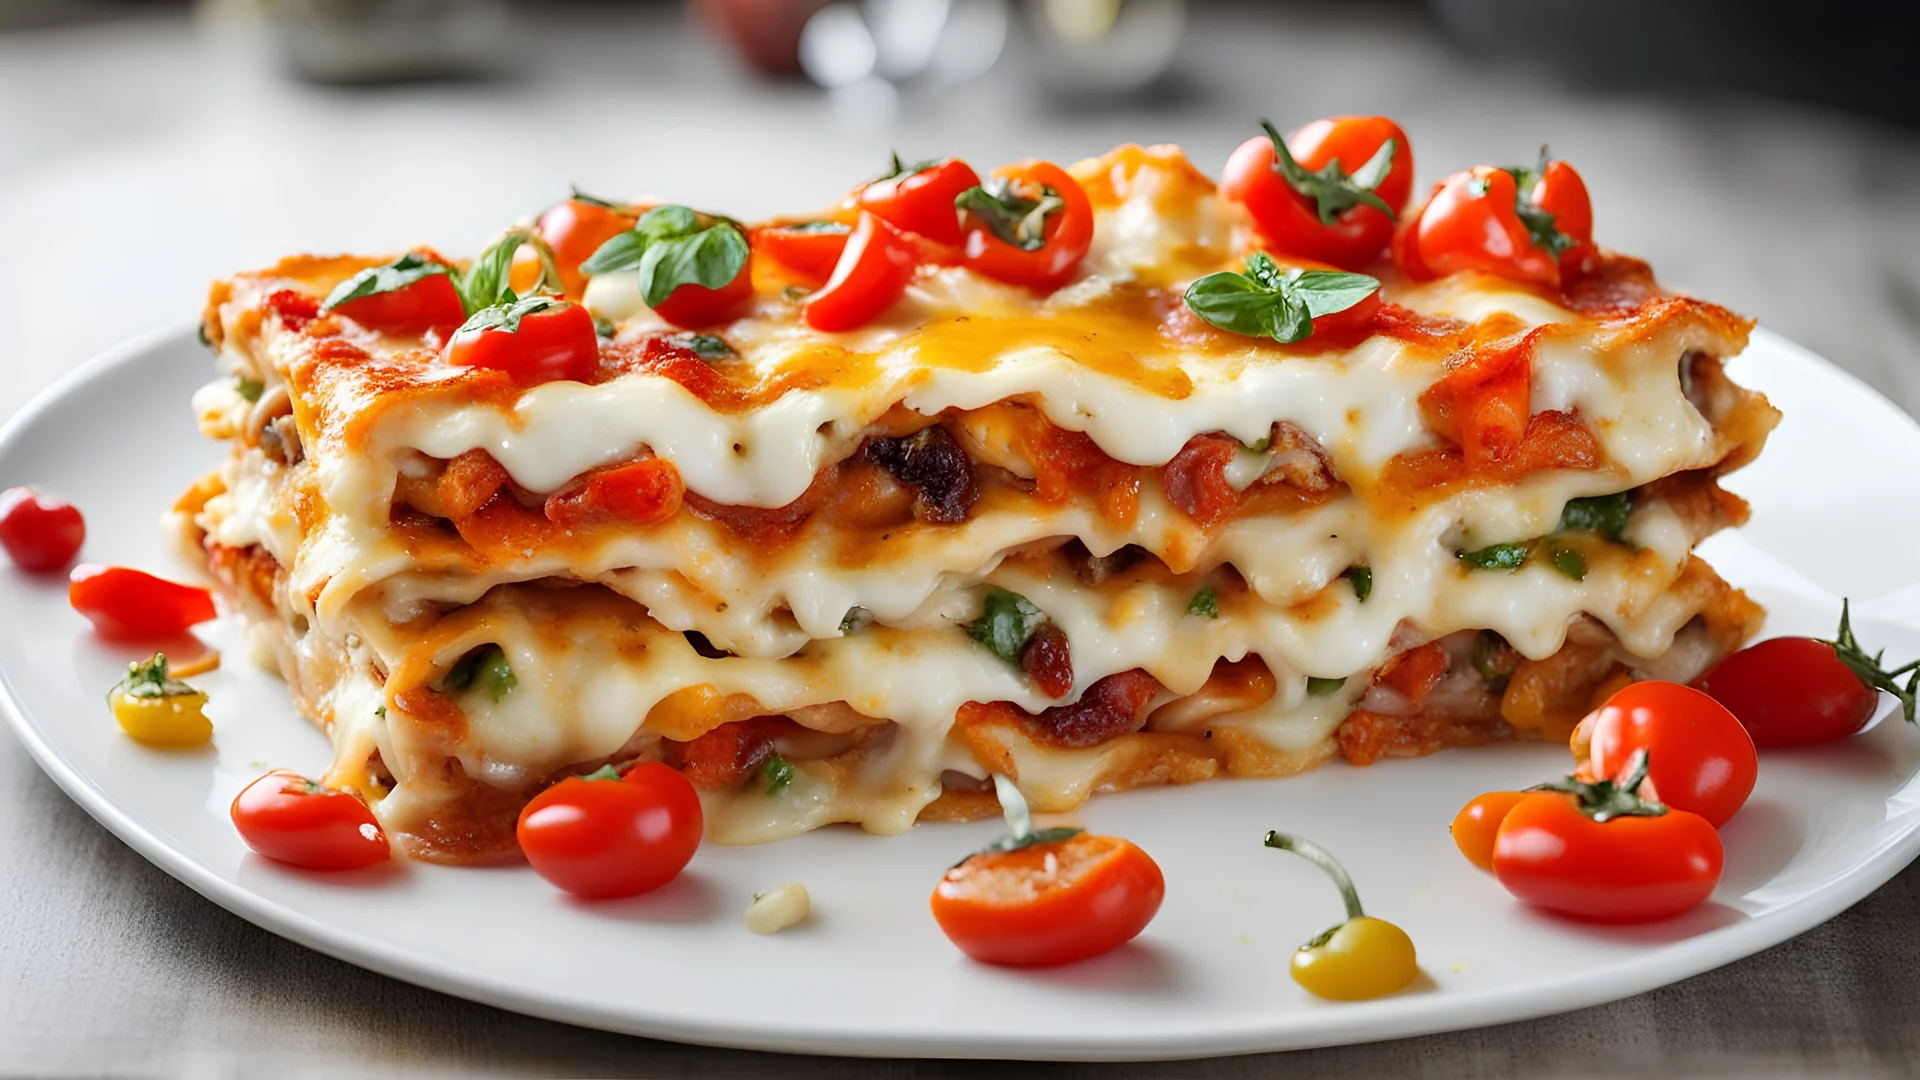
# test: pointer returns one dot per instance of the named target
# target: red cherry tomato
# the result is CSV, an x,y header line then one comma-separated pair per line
x,y
1478,823
873,271
1066,234
606,837
555,342
1699,758
574,230
811,249
1288,220
1626,869
39,531
132,604
1473,222
1792,691
429,302
694,306
921,201
1049,903
1561,192
290,819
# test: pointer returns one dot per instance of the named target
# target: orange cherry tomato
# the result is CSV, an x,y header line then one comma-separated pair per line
x,y
1287,218
1625,869
290,819
130,604
574,230
1699,758
1049,903
636,493
554,340
607,835
1065,234
40,532
429,303
921,200
810,249
872,273
1478,822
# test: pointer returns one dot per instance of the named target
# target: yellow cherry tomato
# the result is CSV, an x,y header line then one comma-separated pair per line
x,y
1361,958
159,711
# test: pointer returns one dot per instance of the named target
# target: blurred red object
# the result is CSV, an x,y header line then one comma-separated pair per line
x,y
764,32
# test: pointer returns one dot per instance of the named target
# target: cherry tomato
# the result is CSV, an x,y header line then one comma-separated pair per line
x,y
40,532
873,271
554,340
1625,869
606,835
1065,235
1478,822
693,306
290,819
1793,691
574,230
1699,758
426,304
921,201
810,249
1049,903
1561,192
1474,221
1287,218
125,603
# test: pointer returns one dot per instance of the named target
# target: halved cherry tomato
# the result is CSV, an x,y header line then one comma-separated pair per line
x,y
693,306
1625,869
1049,903
1481,220
290,819
426,304
1065,235
607,835
574,229
636,493
921,200
1792,691
1478,822
873,271
1699,757
125,603
554,340
1287,219
810,249
40,532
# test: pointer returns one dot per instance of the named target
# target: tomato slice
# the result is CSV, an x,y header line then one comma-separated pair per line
x,y
606,835
40,532
637,493
1288,220
922,200
427,304
1065,234
290,819
1699,758
130,604
1049,903
872,273
811,249
553,340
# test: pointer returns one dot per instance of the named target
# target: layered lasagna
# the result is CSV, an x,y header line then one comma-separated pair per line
x,y
1077,537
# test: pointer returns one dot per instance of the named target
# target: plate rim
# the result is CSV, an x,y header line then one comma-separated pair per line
x,y
1598,985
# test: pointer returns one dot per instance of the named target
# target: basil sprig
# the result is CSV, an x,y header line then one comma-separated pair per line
x,y
1268,302
394,276
1332,189
506,314
672,246
1540,224
1018,220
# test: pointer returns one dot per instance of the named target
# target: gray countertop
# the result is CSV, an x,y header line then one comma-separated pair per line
x,y
140,159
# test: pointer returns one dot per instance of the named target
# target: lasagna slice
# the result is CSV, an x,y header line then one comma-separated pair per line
x,y
1079,538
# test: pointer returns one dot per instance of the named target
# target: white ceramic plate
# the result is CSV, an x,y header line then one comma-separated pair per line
x,y
872,974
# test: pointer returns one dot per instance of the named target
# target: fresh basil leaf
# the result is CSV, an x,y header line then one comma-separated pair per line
x,y
705,346
496,674
1361,578
836,228
1006,621
506,314
709,258
1206,603
394,276
1497,556
1603,514
776,774
1266,302
1319,687
1333,190
1017,220
1569,562
486,282
667,222
251,389
620,252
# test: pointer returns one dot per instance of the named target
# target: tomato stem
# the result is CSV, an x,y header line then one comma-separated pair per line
x,y
1320,856
1870,670
1603,800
